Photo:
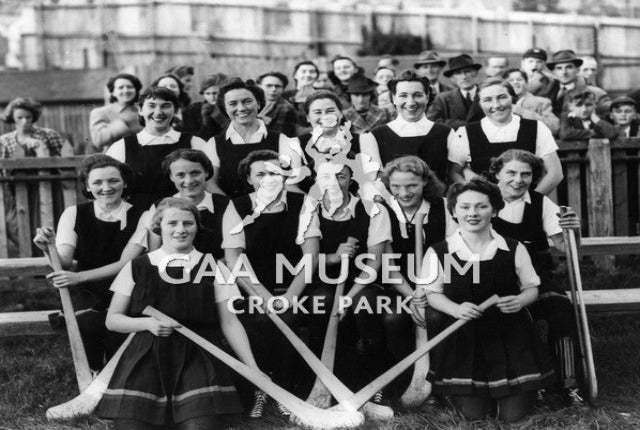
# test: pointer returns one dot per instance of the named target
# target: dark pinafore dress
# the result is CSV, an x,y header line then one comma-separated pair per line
x,y
208,239
498,354
166,380
99,243
150,183
230,156
431,148
481,150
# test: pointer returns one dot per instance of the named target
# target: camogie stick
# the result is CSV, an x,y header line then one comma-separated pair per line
x,y
80,362
340,391
419,389
85,404
320,395
580,311
383,380
304,413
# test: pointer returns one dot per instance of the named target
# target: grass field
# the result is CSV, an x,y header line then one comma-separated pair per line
x,y
37,372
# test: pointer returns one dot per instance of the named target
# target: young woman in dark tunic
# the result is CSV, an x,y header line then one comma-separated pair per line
x,y
241,102
96,234
189,170
533,219
416,190
164,380
496,360
145,151
260,227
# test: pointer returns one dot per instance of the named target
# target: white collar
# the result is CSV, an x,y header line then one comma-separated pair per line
x,y
526,197
145,138
403,127
161,258
457,244
489,127
568,87
119,214
282,200
349,209
424,208
206,203
236,138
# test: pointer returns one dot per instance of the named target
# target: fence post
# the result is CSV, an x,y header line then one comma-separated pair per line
x,y
600,196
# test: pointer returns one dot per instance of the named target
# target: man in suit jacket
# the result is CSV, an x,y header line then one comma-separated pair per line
x,y
429,65
458,107
565,67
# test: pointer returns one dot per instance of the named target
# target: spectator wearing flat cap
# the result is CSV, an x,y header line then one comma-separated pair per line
x,y
458,107
624,115
534,64
363,113
430,65
278,114
565,66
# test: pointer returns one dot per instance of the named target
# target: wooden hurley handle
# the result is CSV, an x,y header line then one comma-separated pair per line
x,y
80,362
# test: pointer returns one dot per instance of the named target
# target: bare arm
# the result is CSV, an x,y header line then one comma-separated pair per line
x,y
553,176
235,334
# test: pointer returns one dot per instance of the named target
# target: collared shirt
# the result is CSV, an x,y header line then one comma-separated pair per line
x,y
514,211
51,139
432,270
459,151
425,208
118,151
141,236
231,220
472,92
236,139
124,284
379,225
403,128
66,234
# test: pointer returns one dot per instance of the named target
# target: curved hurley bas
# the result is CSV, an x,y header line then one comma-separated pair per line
x,y
584,335
86,403
419,389
304,413
340,391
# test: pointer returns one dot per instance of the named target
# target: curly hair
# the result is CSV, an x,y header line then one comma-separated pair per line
x,y
193,155
409,76
478,185
244,167
319,95
304,63
159,93
98,161
536,163
434,188
135,81
172,202
277,75
26,103
239,84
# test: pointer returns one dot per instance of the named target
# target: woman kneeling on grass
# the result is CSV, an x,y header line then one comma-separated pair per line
x,y
164,379
495,363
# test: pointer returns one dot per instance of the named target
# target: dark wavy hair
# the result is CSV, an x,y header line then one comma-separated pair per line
x,y
304,63
319,95
244,167
183,98
239,84
97,161
111,83
409,76
193,155
172,202
434,188
478,185
278,75
214,80
501,83
536,163
506,73
26,103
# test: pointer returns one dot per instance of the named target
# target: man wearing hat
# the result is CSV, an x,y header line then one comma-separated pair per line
x,y
363,113
429,65
565,66
458,107
624,116
539,78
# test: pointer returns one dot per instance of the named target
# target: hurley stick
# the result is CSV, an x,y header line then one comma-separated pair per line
x,y
86,403
80,362
305,413
584,335
419,388
320,395
340,391
383,380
